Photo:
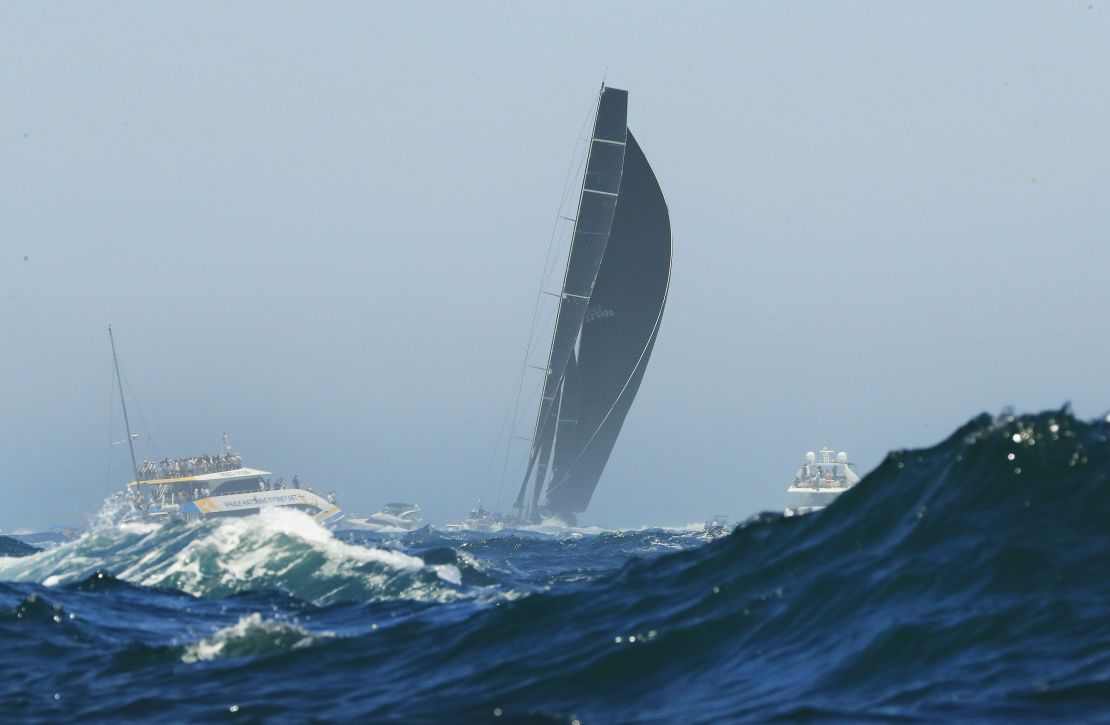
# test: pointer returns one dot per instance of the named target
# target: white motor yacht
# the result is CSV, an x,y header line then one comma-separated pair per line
x,y
394,518
818,482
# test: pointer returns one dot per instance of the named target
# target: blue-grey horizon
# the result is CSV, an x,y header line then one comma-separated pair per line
x,y
320,229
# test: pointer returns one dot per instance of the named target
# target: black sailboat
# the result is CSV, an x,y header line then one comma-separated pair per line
x,y
611,304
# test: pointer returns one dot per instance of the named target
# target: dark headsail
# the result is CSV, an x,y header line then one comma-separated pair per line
x,y
619,329
611,305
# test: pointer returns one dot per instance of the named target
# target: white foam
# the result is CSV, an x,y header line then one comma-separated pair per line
x,y
276,549
266,635
244,550
448,573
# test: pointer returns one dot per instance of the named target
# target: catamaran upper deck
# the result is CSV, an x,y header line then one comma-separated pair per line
x,y
208,469
216,477
189,467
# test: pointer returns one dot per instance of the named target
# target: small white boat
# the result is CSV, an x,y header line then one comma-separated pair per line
x,y
716,526
481,520
394,518
818,482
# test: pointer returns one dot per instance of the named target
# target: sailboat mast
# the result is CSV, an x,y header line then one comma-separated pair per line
x,y
123,404
542,413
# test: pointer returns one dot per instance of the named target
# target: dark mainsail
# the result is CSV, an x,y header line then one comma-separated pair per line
x,y
613,296
619,330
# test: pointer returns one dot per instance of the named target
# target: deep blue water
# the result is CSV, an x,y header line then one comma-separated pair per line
x,y
970,581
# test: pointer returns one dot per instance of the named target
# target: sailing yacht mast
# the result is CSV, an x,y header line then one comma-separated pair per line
x,y
596,206
542,413
123,403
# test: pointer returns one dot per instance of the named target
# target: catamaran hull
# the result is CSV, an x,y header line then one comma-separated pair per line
x,y
245,504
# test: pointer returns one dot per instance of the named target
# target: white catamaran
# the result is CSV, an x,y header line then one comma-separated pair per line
x,y
211,486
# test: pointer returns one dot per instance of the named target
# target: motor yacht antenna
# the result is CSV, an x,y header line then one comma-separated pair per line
x,y
123,404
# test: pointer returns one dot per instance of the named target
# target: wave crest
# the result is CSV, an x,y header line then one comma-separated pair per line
x,y
278,549
251,636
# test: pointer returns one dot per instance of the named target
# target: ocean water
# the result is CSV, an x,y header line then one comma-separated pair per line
x,y
967,582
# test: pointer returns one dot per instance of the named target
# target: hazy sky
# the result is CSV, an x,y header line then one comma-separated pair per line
x,y
320,227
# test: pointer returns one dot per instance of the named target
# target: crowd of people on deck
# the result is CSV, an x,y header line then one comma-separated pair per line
x,y
267,484
181,496
174,494
180,467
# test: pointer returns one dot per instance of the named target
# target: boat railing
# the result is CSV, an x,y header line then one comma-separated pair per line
x,y
186,467
817,482
201,492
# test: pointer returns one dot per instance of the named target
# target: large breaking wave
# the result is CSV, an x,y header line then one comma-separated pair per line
x,y
278,550
965,581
